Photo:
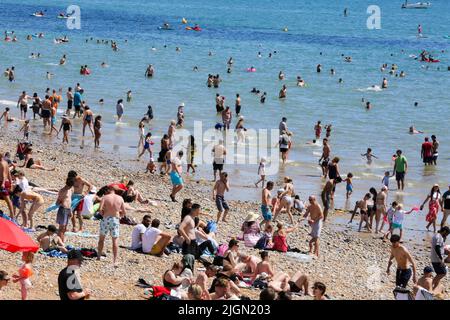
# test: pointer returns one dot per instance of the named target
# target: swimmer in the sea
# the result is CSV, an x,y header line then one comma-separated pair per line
x,y
281,75
384,84
62,61
369,155
300,82
413,130
368,105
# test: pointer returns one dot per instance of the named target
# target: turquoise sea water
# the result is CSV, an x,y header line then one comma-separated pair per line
x,y
241,29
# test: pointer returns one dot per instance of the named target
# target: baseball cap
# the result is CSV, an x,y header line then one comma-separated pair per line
x,y
427,269
75,255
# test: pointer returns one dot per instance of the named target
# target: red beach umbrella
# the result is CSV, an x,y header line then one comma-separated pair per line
x,y
13,239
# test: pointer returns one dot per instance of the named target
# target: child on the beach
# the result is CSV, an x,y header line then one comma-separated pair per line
x,y
398,217
276,200
5,115
26,129
262,172
25,273
299,206
349,186
369,155
385,180
151,167
388,219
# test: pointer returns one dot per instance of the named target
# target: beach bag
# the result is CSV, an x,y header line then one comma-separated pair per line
x,y
251,239
211,227
222,249
89,253
128,221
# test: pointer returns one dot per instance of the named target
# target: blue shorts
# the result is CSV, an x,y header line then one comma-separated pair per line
x,y
266,212
349,188
176,178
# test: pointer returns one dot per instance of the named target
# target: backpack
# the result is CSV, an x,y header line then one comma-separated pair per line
x,y
222,249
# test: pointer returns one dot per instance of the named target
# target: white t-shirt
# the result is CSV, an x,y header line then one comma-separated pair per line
x,y
88,205
136,236
23,184
399,216
149,239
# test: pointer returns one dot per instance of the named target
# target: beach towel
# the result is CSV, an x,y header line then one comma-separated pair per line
x,y
83,234
300,257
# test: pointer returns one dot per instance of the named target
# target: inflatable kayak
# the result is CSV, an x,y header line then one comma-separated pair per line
x,y
430,60
63,17
37,15
194,29
164,28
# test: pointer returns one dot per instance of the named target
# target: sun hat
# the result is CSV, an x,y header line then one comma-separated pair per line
x,y
252,216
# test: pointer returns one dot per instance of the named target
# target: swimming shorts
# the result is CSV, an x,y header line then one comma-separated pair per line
x,y
221,204
176,178
63,215
45,113
293,287
349,188
396,226
53,120
24,107
402,277
399,176
77,108
76,199
316,229
4,192
283,150
217,166
266,212
69,104
110,225
439,268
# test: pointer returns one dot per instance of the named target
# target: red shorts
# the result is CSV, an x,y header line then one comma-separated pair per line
x,y
4,192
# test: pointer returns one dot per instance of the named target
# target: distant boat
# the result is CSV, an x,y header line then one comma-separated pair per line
x,y
417,5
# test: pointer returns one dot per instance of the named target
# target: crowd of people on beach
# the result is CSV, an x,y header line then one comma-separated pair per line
x,y
226,270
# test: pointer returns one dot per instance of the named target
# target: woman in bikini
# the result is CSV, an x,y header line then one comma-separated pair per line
x,y
88,118
30,163
286,201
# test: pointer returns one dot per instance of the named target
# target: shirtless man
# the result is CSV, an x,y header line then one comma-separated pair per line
x,y
325,158
49,240
187,231
78,194
238,105
5,184
425,281
46,112
64,210
327,195
318,130
381,207
23,103
248,265
266,204
112,208
287,200
316,217
404,260
69,95
220,187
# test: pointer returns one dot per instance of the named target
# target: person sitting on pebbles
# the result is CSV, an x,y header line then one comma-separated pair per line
x,y
49,240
